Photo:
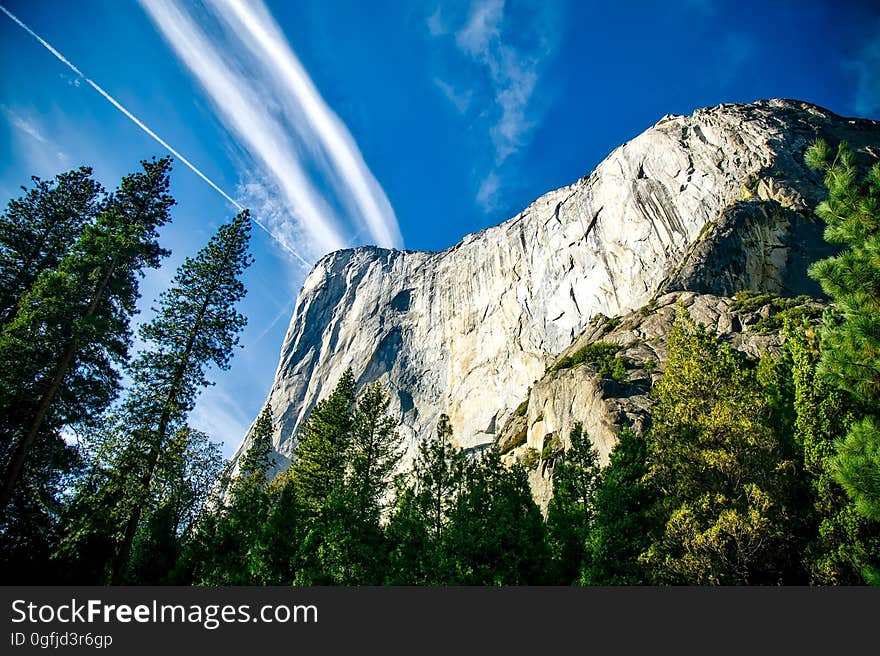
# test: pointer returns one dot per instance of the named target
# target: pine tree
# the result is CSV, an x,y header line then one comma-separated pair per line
x,y
319,457
254,466
375,452
196,326
38,229
344,465
850,350
72,325
357,507
183,481
621,527
496,534
570,511
417,530
237,516
276,556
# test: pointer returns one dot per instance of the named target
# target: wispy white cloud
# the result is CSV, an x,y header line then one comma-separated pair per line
x,y
247,115
267,101
40,153
436,25
867,70
510,68
488,192
321,128
461,100
482,28
23,124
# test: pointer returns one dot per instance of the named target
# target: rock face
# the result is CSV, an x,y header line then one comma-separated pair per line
x,y
469,330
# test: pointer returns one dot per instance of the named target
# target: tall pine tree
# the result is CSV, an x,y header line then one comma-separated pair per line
x,y
843,542
570,512
196,326
38,229
419,523
621,526
221,548
319,457
72,325
850,349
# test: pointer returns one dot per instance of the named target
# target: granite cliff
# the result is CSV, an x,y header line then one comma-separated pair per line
x,y
712,203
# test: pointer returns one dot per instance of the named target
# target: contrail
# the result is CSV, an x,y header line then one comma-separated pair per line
x,y
152,134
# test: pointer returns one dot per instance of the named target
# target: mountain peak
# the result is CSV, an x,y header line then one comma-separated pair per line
x,y
717,201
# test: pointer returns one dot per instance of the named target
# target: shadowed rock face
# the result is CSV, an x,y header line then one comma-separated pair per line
x,y
469,330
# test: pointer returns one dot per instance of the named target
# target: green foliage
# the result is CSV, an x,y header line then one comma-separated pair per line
x,y
38,229
850,347
319,456
842,543
719,468
858,466
649,307
571,510
182,483
71,325
275,557
604,355
496,535
196,326
348,540
464,522
221,550
621,526
552,447
531,458
610,324
780,310
418,526
748,301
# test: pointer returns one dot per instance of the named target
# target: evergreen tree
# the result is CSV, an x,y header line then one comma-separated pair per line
x,y
345,543
222,552
621,528
38,229
570,511
719,470
319,457
317,475
184,477
496,535
196,326
359,552
850,351
72,325
418,525
276,556
375,452
253,469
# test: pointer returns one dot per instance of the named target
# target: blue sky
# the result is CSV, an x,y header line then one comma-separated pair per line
x,y
406,124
